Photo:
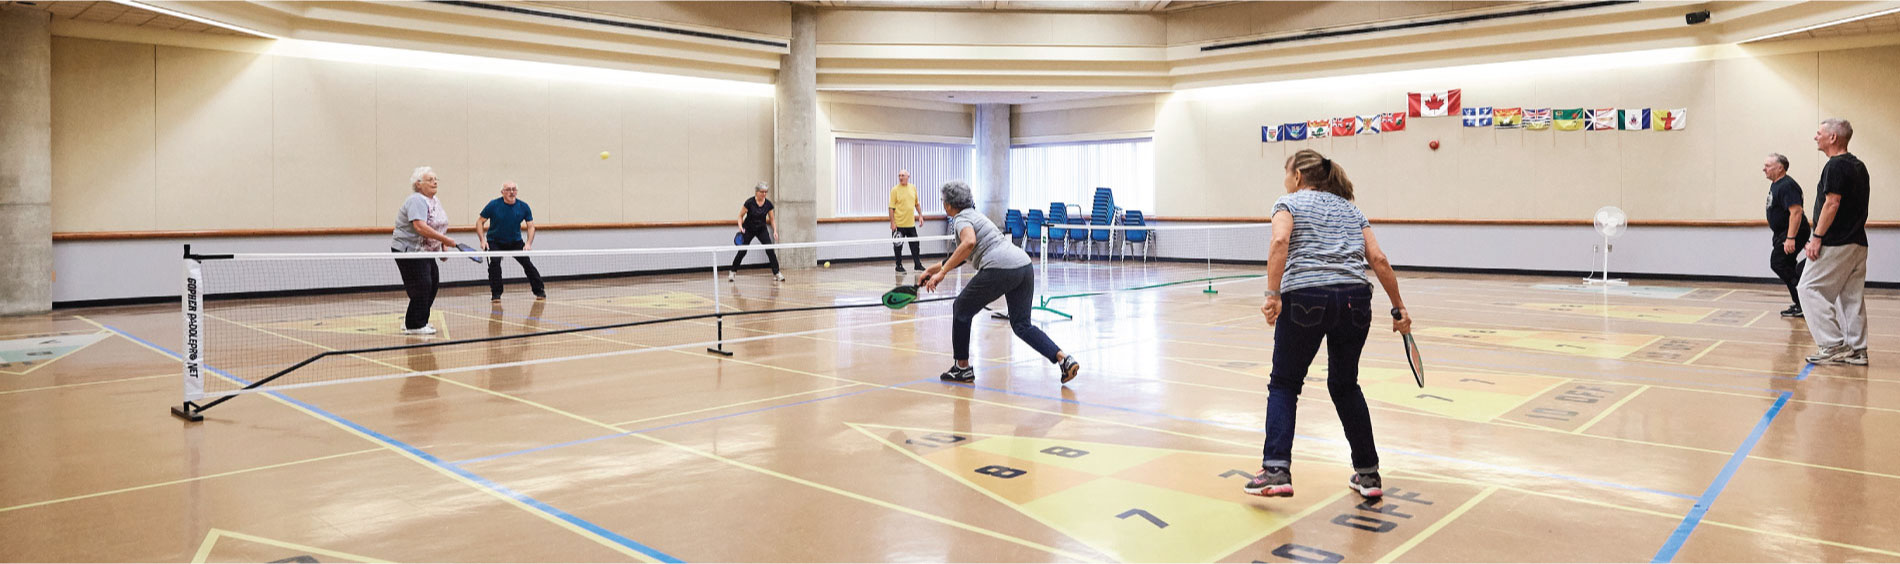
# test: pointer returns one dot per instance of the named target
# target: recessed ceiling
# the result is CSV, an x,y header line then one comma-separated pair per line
x,y
1888,23
987,97
120,14
1017,5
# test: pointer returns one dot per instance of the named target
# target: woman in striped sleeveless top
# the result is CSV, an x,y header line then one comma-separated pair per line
x,y
1318,291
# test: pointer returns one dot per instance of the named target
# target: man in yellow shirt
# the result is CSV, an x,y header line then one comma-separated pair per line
x,y
905,211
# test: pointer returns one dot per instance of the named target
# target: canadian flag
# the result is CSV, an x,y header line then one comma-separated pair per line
x,y
1434,104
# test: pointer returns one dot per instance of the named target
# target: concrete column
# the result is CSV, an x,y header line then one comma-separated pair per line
x,y
992,160
794,154
26,161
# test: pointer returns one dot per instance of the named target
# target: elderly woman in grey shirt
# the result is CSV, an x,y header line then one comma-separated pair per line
x,y
1002,271
421,226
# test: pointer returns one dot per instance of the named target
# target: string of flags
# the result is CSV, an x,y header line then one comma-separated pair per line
x,y
1445,103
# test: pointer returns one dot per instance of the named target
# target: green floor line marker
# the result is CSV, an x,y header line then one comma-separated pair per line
x,y
1044,305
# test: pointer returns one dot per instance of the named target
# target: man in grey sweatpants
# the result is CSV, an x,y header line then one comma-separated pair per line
x,y
1831,288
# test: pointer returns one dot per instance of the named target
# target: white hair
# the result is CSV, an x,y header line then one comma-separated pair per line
x,y
1839,128
416,177
762,186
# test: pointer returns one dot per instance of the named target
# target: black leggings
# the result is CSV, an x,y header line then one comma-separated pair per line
x,y
764,235
1017,287
420,277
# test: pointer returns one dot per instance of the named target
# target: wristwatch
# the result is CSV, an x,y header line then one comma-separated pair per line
x,y
1398,313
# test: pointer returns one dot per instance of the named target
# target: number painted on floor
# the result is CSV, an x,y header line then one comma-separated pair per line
x,y
1003,472
1065,452
1303,553
936,440
1144,514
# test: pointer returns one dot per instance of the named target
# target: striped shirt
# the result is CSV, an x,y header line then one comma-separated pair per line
x,y
1329,242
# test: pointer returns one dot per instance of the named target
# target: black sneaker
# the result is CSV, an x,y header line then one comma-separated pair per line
x,y
900,269
1366,484
1272,482
958,374
1070,368
920,267
1792,311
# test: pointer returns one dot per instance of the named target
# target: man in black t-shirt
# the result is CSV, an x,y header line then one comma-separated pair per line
x,y
1831,288
1790,228
757,221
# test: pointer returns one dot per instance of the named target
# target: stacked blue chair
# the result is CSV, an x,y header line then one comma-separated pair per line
x,y
1143,237
1013,223
1058,215
1102,213
1076,236
1032,230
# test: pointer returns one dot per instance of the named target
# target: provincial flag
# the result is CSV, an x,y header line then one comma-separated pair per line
x,y
1269,134
1537,118
1508,118
1600,119
1637,119
1670,120
1568,120
1391,122
1319,128
1346,126
1478,117
1295,131
1369,124
1432,104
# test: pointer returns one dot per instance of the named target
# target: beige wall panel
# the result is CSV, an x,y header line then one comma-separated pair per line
x,y
657,167
323,168
769,18
214,139
104,152
583,120
1240,19
990,28
1673,172
731,143
1106,119
827,164
1768,105
508,141
422,120
862,118
1862,86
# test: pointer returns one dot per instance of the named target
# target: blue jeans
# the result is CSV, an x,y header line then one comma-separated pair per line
x,y
1340,315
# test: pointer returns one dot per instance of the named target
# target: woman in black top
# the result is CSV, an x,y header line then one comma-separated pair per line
x,y
757,221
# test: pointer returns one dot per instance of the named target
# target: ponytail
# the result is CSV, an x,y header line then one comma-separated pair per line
x,y
1320,173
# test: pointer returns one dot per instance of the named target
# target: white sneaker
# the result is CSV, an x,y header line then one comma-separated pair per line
x,y
1830,355
778,277
1856,358
425,329
732,276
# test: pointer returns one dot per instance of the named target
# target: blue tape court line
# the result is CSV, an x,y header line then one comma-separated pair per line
x,y
1805,370
1689,522
550,510
1403,452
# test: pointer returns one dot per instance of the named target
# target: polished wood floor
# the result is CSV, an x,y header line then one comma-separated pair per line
x,y
1673,421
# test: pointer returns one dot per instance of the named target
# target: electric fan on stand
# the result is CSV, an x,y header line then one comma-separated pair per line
x,y
1610,223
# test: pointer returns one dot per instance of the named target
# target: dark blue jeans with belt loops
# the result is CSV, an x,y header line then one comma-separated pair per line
x,y
1340,315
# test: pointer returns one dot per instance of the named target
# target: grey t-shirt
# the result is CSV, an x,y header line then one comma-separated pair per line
x,y
406,238
992,247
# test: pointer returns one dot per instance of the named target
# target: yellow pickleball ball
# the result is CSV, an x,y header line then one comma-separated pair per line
x,y
604,155
827,264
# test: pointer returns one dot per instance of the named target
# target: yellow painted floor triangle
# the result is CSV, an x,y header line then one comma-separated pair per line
x,y
228,546
382,324
1135,503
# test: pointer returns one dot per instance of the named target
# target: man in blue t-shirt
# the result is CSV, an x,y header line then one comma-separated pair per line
x,y
500,229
